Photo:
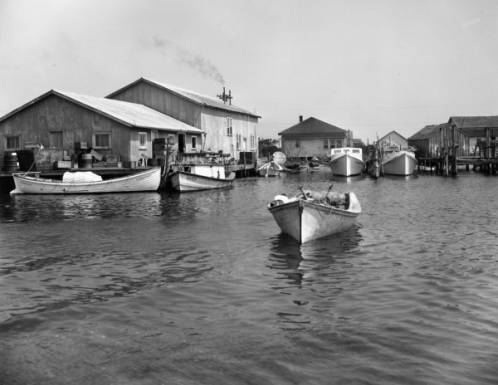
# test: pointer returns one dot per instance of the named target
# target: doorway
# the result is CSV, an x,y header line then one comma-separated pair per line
x,y
181,143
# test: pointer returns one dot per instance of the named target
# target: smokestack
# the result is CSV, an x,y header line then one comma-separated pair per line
x,y
300,118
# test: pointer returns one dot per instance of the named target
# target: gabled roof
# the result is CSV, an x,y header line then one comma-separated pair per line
x,y
427,131
392,132
195,97
129,114
314,127
474,121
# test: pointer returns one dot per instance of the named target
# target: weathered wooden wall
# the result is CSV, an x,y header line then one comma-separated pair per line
x,y
308,147
213,121
34,123
163,101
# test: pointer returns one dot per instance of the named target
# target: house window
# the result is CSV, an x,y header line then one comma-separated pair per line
x,y
55,139
238,140
253,142
12,142
102,140
298,144
142,139
194,142
326,144
229,126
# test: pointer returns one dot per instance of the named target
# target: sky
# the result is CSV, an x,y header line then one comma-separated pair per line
x,y
369,66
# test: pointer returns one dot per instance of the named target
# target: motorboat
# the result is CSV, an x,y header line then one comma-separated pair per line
x,y
396,161
86,182
346,161
311,214
200,177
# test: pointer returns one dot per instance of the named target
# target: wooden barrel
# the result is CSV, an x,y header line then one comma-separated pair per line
x,y
86,161
10,162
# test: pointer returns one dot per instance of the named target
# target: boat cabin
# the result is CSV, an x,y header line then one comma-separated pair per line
x,y
357,152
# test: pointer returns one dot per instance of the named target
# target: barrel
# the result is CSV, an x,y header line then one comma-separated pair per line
x,y
86,161
10,162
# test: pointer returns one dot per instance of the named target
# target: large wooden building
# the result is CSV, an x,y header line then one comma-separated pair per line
x,y
56,124
227,128
312,138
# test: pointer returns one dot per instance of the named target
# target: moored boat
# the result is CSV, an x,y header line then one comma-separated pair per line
x,y
399,162
86,183
201,178
313,215
346,161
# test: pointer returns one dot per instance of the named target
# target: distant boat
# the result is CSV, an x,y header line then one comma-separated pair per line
x,y
398,162
86,182
271,168
346,161
313,215
204,177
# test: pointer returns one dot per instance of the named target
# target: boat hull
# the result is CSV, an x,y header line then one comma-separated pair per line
x,y
305,220
142,181
402,163
346,165
184,181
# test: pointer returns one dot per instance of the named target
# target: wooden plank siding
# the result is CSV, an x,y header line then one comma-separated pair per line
x,y
305,147
213,121
77,124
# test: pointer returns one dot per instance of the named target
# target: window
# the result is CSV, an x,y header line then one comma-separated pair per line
x,y
194,142
326,144
253,141
12,142
238,140
102,140
142,139
229,126
55,139
298,144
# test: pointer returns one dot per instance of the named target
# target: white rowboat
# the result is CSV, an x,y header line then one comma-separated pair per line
x,y
308,219
147,180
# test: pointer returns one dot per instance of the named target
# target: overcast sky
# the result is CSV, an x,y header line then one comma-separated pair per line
x,y
368,66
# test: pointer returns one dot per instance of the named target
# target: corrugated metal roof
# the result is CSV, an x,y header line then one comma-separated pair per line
x,y
130,114
314,127
195,97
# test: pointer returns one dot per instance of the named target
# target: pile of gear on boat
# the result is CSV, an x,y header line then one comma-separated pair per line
x,y
329,198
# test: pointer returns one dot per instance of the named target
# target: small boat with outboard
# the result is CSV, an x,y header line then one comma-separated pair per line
x,y
315,214
200,177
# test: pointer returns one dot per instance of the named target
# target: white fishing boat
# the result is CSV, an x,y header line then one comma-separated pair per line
x,y
346,161
399,162
313,215
86,182
203,177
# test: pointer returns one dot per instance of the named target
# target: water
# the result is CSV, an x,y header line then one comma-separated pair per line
x,y
202,288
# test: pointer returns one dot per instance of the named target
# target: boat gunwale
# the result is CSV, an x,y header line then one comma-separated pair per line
x,y
230,178
48,181
301,203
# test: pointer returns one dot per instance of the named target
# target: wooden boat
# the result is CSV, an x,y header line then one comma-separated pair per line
x,y
313,215
196,178
86,182
346,161
399,162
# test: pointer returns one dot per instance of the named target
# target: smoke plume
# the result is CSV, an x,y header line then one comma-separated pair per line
x,y
195,61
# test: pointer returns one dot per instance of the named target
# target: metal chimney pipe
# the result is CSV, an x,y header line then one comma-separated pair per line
x,y
300,118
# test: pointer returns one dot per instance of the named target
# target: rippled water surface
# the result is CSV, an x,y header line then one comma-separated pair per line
x,y
202,288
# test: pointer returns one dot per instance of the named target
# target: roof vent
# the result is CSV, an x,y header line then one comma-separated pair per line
x,y
300,118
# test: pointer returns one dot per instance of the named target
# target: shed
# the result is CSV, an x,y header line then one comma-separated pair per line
x,y
228,128
57,123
